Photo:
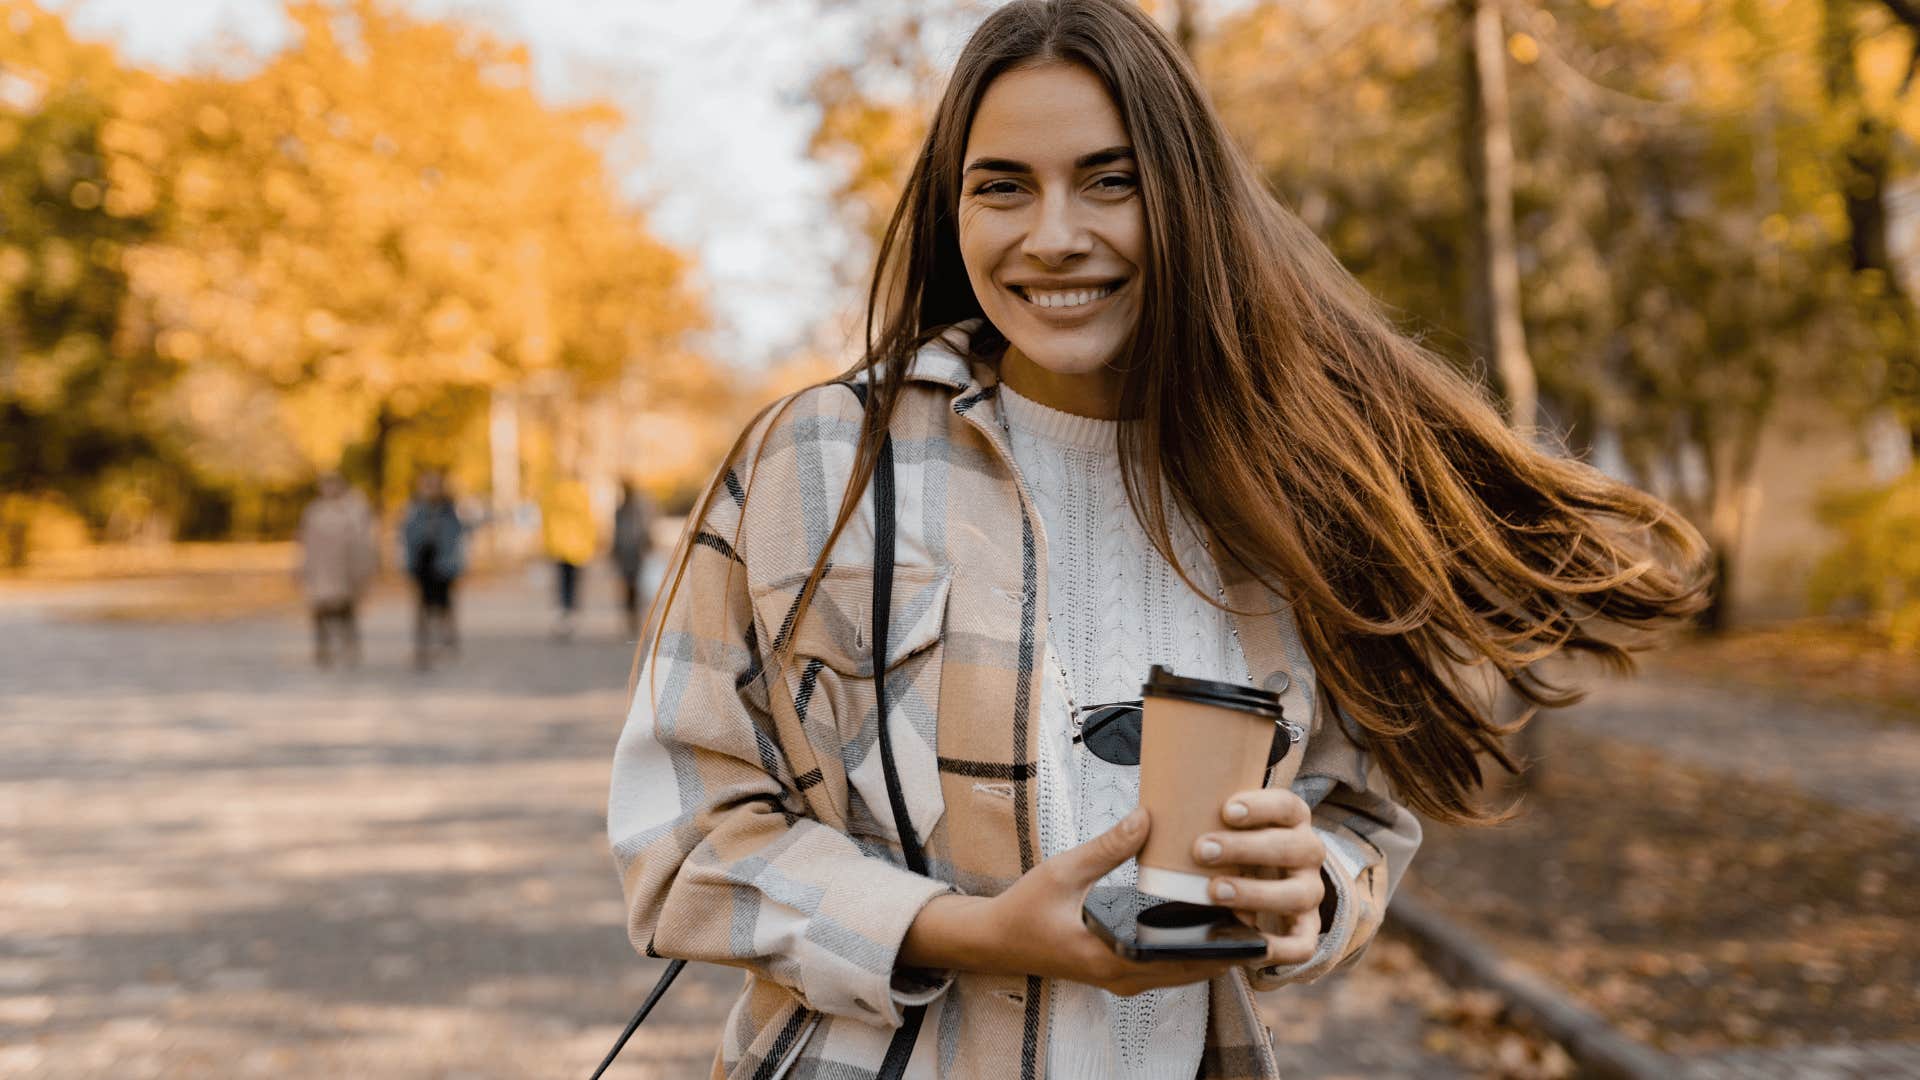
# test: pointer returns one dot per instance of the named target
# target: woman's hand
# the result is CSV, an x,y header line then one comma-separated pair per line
x,y
1034,927
1270,847
1039,916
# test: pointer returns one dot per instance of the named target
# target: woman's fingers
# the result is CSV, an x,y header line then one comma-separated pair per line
x,y
1265,807
1295,848
1285,896
1296,946
1079,867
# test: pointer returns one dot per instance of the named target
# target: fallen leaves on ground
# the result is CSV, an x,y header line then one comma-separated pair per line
x,y
1693,911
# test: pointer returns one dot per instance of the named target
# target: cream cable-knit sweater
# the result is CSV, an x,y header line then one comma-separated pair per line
x,y
1114,609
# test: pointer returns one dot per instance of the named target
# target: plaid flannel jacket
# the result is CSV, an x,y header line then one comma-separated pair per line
x,y
748,814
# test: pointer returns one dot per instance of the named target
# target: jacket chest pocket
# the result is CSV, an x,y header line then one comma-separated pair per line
x,y
833,662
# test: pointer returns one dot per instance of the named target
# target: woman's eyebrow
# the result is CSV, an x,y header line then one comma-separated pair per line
x,y
1085,161
997,165
1104,157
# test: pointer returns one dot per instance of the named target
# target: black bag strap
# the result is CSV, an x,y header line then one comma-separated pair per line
x,y
900,1049
659,991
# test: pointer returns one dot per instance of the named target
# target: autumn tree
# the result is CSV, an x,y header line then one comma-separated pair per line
x,y
342,253
379,227
73,386
1673,214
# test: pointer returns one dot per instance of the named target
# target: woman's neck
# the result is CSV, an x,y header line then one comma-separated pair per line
x,y
1094,394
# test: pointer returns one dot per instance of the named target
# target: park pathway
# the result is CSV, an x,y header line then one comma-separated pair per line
x,y
223,863
1849,756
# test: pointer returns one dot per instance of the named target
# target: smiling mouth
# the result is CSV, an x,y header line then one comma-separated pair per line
x,y
1065,298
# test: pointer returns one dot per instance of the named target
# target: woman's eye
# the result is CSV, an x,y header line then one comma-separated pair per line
x,y
997,187
1116,182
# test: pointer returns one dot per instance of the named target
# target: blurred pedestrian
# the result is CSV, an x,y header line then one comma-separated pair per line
x,y
632,540
567,533
434,544
337,562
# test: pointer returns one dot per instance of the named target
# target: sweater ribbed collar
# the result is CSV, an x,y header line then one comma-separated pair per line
x,y
1051,425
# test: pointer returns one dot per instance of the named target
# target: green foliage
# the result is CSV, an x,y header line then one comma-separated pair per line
x,y
72,388
1878,560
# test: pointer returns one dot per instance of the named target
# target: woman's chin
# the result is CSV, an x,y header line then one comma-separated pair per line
x,y
1068,354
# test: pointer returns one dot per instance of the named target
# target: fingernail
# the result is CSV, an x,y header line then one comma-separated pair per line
x,y
1222,890
1135,820
1236,811
1209,850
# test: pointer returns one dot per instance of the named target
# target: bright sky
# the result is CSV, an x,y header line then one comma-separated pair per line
x,y
716,85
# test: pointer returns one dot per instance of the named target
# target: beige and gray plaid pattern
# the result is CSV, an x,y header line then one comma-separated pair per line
x,y
748,815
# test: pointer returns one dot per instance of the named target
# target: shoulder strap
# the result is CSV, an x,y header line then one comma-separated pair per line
x,y
900,1047
883,542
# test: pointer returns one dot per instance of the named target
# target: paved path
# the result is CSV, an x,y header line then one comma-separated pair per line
x,y
222,863
1847,756
1869,1061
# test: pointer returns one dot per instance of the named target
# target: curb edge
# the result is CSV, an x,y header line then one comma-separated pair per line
x,y
1463,958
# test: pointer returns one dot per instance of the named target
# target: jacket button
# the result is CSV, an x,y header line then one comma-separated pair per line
x,y
1279,681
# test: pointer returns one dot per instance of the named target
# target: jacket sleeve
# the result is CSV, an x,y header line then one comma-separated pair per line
x,y
718,855
1369,837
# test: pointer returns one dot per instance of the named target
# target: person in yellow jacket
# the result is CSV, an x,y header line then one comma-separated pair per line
x,y
568,535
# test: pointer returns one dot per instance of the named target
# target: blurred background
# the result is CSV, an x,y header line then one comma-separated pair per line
x,y
311,308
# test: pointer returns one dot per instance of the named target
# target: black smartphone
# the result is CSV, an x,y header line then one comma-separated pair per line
x,y
1142,927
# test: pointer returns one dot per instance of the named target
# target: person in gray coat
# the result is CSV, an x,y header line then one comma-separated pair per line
x,y
337,563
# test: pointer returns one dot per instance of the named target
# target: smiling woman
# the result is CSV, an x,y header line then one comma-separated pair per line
x,y
1118,409
1052,232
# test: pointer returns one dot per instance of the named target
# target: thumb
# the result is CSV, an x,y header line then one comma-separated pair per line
x,y
1091,861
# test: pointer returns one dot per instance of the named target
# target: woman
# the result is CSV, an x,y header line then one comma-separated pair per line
x,y
568,536
1139,416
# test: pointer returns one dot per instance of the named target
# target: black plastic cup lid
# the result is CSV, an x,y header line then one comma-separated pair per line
x,y
1163,683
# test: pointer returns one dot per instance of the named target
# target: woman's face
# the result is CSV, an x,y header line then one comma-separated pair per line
x,y
1051,228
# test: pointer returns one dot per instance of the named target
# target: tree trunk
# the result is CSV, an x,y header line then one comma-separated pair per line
x,y
1186,27
384,424
1494,298
1488,154
14,534
1865,169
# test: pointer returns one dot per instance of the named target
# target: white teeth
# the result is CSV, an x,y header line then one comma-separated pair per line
x,y
1063,298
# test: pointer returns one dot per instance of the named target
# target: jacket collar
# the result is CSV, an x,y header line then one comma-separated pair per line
x,y
943,361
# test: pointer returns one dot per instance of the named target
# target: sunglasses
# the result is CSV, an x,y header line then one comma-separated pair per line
x,y
1112,733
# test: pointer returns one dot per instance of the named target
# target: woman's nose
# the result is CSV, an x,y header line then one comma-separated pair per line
x,y
1057,234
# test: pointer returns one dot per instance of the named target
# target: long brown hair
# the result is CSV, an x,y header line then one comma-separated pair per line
x,y
1322,450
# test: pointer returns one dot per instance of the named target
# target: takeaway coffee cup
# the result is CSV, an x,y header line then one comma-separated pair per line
x,y
1200,743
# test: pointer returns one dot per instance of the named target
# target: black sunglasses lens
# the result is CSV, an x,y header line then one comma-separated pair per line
x,y
1112,732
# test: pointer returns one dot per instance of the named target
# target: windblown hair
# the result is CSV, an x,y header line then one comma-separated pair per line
x,y
1322,450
